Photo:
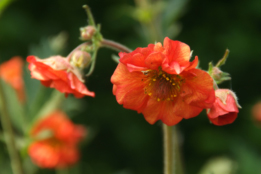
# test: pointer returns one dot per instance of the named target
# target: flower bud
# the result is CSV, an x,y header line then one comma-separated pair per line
x,y
218,75
81,59
225,108
87,32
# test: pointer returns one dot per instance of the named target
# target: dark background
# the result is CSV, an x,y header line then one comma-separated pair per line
x,y
122,141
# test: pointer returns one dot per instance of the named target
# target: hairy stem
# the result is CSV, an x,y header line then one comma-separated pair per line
x,y
16,162
115,46
172,161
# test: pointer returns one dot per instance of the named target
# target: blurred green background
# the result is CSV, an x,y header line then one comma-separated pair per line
x,y
122,142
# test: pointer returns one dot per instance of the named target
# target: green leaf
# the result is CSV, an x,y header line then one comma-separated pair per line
x,y
15,108
4,4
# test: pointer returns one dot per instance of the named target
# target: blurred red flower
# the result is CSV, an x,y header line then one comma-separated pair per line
x,y
225,109
161,83
11,72
256,112
56,72
56,139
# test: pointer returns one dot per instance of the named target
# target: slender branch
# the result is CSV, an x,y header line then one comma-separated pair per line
x,y
115,46
172,161
16,162
93,63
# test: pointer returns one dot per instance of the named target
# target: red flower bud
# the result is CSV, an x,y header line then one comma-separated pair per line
x,y
87,32
225,108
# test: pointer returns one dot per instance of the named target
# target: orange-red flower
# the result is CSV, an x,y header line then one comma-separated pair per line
x,y
56,72
11,73
160,82
225,109
56,139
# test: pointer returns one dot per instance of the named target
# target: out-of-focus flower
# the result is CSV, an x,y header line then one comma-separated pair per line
x,y
225,109
256,112
56,72
56,139
11,72
161,83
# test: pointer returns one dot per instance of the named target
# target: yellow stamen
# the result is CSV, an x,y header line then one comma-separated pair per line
x,y
173,84
154,80
167,78
158,99
175,95
168,99
150,94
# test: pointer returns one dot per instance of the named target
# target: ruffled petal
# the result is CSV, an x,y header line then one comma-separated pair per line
x,y
185,110
154,60
152,111
168,115
177,56
79,89
128,88
197,88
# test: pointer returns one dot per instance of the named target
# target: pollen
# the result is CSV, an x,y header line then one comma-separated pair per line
x,y
162,86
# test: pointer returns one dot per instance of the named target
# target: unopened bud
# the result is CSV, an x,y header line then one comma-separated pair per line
x,y
81,59
218,75
87,32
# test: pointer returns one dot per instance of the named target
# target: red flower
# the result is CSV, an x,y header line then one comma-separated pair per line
x,y
161,83
56,72
225,109
11,73
58,148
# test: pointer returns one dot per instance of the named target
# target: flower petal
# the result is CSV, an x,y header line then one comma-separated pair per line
x,y
128,88
197,88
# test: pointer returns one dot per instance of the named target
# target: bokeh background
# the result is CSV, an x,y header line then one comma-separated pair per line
x,y
120,141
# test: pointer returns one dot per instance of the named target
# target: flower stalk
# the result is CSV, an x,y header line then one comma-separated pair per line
x,y
115,46
16,162
172,161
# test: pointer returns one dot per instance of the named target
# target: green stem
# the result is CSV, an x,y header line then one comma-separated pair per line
x,y
172,161
16,162
115,46
92,63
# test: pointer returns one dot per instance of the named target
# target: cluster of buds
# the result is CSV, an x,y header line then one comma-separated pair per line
x,y
225,108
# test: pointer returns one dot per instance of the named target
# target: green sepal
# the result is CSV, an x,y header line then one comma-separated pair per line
x,y
222,61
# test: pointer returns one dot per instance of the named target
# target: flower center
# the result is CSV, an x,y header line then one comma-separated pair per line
x,y
161,85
